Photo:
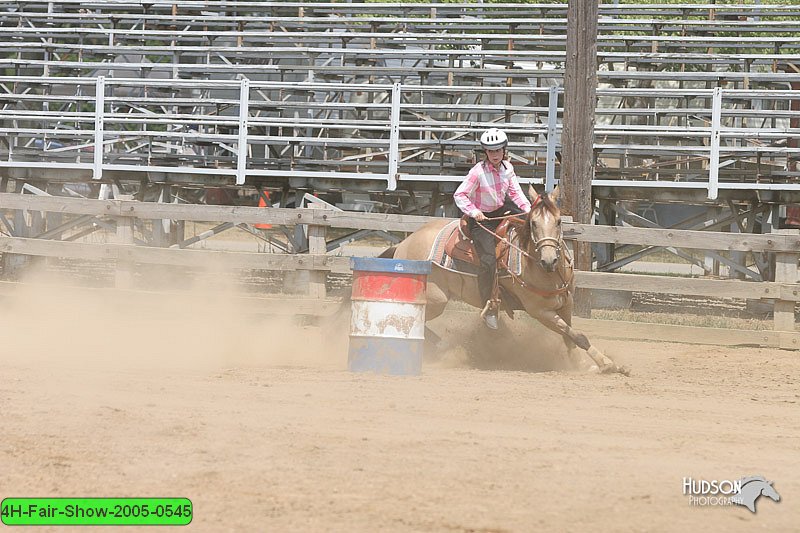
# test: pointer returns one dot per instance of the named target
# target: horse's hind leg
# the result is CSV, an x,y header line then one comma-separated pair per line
x,y
553,321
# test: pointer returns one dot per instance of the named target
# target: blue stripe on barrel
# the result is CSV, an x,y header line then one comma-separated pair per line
x,y
397,357
387,326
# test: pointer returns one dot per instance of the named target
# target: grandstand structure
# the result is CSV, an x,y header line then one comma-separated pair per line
x,y
697,103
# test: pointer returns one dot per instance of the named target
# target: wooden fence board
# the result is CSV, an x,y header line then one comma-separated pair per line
x,y
691,286
612,329
213,213
703,240
173,256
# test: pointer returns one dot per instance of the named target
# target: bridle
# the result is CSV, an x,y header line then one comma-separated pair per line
x,y
538,244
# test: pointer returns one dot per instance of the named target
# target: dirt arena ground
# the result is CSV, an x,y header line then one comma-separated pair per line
x,y
256,419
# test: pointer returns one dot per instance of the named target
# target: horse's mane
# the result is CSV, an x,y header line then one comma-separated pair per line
x,y
745,480
543,203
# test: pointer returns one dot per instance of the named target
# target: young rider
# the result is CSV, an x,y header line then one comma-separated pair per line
x,y
482,197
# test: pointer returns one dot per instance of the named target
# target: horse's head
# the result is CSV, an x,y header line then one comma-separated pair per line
x,y
751,489
542,233
768,490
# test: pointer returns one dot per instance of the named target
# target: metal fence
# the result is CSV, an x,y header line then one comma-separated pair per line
x,y
710,139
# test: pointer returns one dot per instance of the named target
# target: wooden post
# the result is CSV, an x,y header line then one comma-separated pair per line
x,y
580,82
15,264
606,216
162,227
38,224
123,274
317,245
785,272
710,262
53,220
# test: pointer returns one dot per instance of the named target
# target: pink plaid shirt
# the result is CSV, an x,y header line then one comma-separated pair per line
x,y
485,188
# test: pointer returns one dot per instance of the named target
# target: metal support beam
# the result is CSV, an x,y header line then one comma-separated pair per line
x,y
99,112
552,121
713,161
361,234
714,256
242,148
204,235
394,138
56,232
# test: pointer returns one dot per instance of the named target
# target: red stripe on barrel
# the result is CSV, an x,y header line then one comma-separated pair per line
x,y
389,286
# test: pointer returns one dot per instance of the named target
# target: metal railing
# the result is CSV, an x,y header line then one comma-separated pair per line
x,y
679,138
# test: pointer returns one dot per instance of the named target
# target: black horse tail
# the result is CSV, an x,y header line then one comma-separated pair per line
x,y
388,253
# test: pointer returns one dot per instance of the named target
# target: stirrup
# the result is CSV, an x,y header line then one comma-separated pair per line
x,y
491,305
490,320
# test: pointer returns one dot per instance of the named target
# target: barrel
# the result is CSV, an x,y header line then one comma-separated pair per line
x,y
387,323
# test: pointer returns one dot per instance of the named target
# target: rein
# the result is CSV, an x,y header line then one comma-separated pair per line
x,y
538,243
503,239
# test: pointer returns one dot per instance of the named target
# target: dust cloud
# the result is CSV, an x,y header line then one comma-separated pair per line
x,y
521,344
209,324
175,319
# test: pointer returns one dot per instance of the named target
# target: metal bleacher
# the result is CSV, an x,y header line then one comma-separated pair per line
x,y
692,98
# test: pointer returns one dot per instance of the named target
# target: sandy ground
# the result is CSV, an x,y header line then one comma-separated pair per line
x,y
256,419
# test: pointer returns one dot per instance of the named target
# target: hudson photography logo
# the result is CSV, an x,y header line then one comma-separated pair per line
x,y
727,492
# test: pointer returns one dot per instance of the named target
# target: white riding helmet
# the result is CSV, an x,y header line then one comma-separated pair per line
x,y
493,138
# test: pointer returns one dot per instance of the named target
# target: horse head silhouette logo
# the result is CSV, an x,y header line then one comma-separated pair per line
x,y
752,488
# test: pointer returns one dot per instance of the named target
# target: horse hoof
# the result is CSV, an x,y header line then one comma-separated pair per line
x,y
614,369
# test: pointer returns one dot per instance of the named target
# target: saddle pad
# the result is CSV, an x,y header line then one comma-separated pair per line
x,y
514,255
437,254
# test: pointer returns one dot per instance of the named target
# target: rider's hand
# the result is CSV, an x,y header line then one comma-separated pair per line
x,y
479,216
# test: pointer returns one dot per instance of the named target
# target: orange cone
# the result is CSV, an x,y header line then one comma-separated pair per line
x,y
263,203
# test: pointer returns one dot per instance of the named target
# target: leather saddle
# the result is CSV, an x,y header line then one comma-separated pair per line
x,y
459,244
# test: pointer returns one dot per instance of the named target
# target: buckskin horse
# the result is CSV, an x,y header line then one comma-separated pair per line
x,y
543,284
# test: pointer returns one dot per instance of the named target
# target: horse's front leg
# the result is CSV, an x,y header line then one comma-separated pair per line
x,y
436,302
565,312
552,320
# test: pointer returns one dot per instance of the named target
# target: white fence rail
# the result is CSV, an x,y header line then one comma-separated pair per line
x,y
680,138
